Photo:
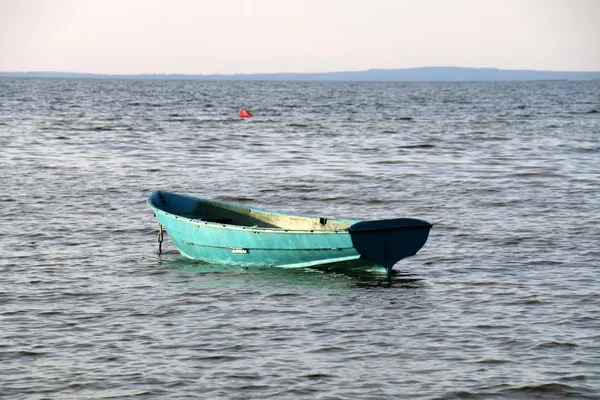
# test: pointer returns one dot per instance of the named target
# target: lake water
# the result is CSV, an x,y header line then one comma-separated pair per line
x,y
503,302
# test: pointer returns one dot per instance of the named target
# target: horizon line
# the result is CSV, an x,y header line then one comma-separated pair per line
x,y
490,69
416,74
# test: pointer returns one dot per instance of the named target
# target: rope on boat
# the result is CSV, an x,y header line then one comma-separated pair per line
x,y
160,238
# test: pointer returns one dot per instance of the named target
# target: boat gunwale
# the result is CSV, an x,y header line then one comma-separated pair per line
x,y
220,225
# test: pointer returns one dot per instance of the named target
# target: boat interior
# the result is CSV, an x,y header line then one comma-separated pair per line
x,y
225,213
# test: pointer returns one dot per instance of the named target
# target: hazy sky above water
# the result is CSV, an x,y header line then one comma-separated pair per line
x,y
234,36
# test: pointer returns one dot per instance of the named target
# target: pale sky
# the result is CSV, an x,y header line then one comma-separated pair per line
x,y
268,36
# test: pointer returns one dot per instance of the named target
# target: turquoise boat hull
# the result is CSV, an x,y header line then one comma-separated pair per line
x,y
224,233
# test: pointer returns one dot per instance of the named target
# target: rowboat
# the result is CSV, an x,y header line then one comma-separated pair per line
x,y
223,233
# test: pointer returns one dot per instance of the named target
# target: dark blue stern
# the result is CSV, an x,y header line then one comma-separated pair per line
x,y
388,241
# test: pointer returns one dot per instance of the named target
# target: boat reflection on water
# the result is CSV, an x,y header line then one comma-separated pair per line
x,y
340,275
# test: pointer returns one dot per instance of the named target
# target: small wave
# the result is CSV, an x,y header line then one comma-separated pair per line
x,y
328,349
316,376
417,146
387,162
532,174
493,361
588,149
543,391
556,345
466,395
237,199
573,378
102,128
31,353
592,111
136,103
179,119
199,121
534,302
284,295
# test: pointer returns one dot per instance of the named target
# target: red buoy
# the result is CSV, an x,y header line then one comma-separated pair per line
x,y
245,114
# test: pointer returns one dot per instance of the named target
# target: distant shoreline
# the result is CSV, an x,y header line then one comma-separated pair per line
x,y
422,74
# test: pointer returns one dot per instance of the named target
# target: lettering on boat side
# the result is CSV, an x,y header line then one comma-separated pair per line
x,y
239,251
